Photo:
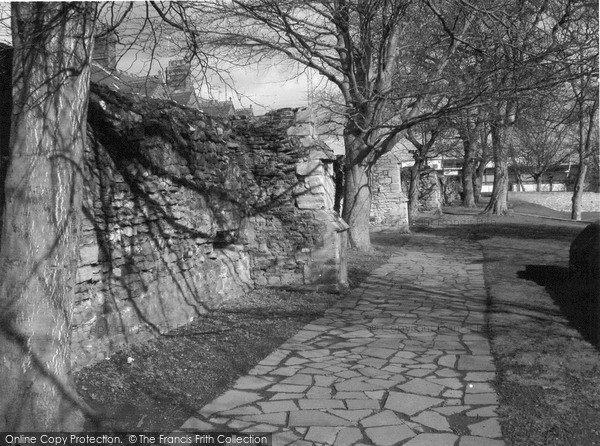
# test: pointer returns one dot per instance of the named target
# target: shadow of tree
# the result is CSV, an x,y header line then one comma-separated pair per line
x,y
576,302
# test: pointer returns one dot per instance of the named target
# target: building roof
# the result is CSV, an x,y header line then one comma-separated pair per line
x,y
247,112
150,86
221,109
185,97
154,87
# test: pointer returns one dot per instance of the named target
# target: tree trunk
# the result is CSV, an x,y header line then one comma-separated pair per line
x,y
413,190
520,182
538,183
578,190
585,151
5,116
520,185
39,249
467,176
498,204
478,180
357,206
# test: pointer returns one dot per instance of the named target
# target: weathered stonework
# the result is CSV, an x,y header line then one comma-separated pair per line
x,y
389,201
182,211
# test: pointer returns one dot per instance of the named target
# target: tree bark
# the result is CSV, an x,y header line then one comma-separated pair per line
x,y
357,206
498,204
578,190
538,183
413,190
478,180
39,249
584,149
467,175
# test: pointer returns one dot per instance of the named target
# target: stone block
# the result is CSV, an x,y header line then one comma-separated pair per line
x,y
306,129
85,273
312,167
307,201
88,254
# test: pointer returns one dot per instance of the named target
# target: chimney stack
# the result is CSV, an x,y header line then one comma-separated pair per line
x,y
179,75
105,50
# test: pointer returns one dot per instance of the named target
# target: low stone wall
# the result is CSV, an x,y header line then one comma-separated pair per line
x,y
182,211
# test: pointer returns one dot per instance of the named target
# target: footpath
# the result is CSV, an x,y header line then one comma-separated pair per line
x,y
402,360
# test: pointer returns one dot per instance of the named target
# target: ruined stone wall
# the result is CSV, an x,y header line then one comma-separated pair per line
x,y
388,202
182,211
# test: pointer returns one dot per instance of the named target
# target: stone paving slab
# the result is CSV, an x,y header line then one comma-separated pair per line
x,y
403,360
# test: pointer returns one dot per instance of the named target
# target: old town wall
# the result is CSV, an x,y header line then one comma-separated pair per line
x,y
182,211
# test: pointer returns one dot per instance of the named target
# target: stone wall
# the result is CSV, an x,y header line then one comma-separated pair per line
x,y
389,201
182,211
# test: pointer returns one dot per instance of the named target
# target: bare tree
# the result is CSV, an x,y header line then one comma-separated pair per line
x,y
39,249
365,48
38,259
575,34
586,100
543,141
468,124
423,138
527,44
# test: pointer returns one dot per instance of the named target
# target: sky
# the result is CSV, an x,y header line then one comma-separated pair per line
x,y
265,87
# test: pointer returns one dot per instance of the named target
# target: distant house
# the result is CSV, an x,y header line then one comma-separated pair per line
x,y
150,86
221,109
176,85
180,84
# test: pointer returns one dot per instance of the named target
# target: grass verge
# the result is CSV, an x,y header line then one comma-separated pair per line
x,y
548,371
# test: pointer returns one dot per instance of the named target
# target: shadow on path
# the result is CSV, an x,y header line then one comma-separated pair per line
x,y
576,303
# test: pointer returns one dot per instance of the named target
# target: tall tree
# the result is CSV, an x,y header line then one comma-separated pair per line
x,y
468,124
423,139
533,46
586,112
366,49
481,162
543,141
39,244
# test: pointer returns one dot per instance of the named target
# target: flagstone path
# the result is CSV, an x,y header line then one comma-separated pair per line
x,y
403,360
